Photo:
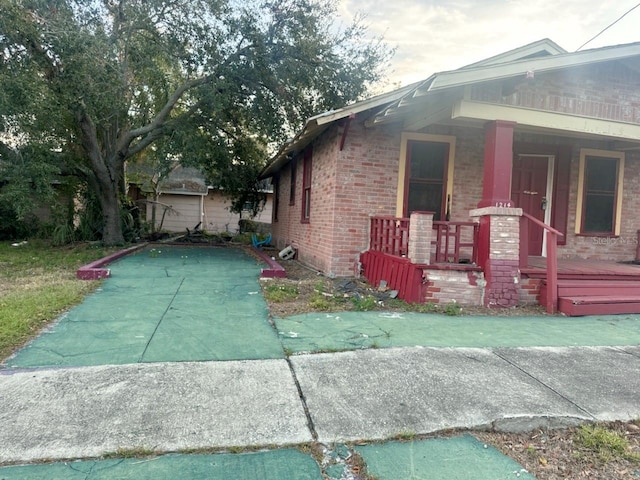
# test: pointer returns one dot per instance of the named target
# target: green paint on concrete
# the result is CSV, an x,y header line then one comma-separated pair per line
x,y
272,465
314,332
164,304
458,458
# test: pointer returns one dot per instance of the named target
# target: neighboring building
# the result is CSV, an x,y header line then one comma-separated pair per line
x,y
190,202
536,132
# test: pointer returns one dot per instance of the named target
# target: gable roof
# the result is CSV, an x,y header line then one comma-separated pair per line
x,y
541,48
541,56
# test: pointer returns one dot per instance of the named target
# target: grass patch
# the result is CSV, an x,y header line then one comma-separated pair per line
x,y
280,293
136,452
37,283
326,303
605,443
364,304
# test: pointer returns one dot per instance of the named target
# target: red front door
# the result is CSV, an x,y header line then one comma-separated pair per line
x,y
529,191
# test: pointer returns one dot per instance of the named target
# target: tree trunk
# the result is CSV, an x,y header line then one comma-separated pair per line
x,y
107,167
108,195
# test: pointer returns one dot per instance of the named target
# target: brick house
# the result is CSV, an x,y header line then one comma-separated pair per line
x,y
488,184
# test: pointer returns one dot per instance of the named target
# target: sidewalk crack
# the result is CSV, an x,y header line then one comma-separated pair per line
x,y
537,380
303,401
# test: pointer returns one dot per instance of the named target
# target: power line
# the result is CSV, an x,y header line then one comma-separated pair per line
x,y
608,26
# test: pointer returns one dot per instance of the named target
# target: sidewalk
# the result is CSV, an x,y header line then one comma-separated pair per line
x,y
60,411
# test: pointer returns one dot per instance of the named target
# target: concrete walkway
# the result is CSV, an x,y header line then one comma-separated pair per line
x,y
369,394
70,412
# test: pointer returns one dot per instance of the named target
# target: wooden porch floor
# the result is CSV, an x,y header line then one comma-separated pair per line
x,y
578,268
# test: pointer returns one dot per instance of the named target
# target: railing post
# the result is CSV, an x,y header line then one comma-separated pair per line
x,y
552,272
524,242
420,231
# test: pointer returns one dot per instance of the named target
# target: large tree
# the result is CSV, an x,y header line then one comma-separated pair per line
x,y
213,82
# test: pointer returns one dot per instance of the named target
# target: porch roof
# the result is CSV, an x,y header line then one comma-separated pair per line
x,y
537,57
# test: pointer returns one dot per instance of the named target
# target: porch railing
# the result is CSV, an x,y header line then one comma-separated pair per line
x,y
551,303
453,242
452,238
390,235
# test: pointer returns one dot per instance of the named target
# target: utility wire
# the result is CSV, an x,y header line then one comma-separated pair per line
x,y
608,27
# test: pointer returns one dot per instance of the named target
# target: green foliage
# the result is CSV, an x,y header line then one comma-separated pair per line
x,y
365,303
452,309
88,86
606,443
280,293
320,302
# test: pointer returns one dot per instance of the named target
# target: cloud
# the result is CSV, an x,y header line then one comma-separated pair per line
x,y
433,36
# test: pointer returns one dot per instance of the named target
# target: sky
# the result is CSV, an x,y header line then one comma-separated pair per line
x,y
439,35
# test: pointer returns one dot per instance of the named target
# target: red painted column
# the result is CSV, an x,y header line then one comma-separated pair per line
x,y
498,164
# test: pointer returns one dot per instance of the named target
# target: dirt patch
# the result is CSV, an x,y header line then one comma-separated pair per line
x,y
564,454
318,293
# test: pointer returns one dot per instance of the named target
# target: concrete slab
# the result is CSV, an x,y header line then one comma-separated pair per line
x,y
604,381
85,412
374,394
456,458
271,465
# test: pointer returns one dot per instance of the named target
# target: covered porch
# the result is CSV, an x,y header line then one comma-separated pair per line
x,y
436,261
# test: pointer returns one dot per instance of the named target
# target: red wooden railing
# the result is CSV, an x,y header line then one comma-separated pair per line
x,y
552,257
453,241
390,235
399,273
450,241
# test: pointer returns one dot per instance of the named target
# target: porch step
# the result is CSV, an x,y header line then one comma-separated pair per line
x,y
568,288
596,297
599,305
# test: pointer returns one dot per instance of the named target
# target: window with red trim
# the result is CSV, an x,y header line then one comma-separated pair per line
x,y
294,178
306,186
276,196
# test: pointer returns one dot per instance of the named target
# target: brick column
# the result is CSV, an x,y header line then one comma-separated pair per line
x,y
420,233
499,254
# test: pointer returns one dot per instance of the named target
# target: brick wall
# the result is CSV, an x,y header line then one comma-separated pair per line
x,y
365,185
313,240
447,286
529,291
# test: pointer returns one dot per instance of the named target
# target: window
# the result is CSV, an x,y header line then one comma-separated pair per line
x,y
425,182
306,186
276,196
427,163
294,178
599,192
